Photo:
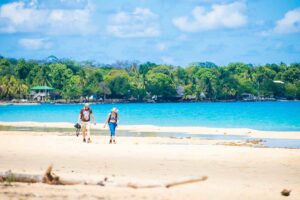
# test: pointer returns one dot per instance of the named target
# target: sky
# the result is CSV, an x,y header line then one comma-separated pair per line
x,y
175,32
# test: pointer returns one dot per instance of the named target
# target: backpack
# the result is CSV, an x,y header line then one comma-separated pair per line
x,y
115,117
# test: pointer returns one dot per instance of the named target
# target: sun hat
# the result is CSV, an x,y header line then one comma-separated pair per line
x,y
114,110
87,105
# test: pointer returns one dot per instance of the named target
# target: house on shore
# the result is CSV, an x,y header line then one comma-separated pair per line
x,y
249,97
40,93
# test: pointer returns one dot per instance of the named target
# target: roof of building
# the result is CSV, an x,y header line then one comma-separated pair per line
x,y
42,88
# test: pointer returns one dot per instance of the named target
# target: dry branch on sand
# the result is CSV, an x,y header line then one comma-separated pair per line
x,y
50,178
204,178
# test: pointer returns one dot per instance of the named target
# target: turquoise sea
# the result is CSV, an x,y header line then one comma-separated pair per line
x,y
283,116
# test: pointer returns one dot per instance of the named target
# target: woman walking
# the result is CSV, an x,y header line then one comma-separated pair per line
x,y
112,121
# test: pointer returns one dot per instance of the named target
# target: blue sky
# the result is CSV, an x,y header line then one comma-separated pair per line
x,y
175,32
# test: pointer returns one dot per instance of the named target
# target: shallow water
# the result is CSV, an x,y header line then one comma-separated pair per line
x,y
276,116
266,142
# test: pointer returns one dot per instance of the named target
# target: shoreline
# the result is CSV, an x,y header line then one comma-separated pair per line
x,y
251,133
7,103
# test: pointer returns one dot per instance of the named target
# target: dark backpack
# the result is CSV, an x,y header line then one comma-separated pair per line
x,y
116,117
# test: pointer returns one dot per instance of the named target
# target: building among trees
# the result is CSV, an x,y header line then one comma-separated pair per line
x,y
40,93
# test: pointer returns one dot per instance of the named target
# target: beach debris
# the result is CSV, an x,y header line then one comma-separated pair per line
x,y
52,179
169,185
249,143
238,143
49,178
255,142
286,192
137,186
101,183
9,176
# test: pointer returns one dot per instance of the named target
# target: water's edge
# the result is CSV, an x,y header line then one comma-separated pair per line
x,y
266,142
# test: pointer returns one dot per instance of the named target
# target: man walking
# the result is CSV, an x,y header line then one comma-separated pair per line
x,y
85,117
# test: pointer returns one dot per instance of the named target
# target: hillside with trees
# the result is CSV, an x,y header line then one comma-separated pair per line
x,y
132,81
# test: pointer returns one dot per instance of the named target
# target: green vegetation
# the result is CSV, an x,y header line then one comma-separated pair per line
x,y
141,82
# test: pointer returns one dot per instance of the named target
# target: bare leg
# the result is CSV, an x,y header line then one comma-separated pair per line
x,y
88,131
84,131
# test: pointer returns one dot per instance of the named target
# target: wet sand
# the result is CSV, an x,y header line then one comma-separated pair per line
x,y
163,129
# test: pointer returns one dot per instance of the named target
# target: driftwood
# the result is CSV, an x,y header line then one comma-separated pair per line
x,y
204,178
137,186
168,185
9,176
50,178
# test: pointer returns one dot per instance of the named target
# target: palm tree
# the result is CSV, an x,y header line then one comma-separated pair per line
x,y
2,90
21,89
207,85
43,76
8,86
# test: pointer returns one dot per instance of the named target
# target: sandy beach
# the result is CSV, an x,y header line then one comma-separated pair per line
x,y
149,100
234,172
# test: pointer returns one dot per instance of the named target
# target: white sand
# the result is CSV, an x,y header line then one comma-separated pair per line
x,y
233,172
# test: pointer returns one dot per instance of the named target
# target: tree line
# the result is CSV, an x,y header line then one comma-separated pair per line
x,y
144,81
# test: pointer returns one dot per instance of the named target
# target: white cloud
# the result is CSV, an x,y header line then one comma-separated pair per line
x,y
161,46
34,43
290,23
22,17
33,3
142,22
220,16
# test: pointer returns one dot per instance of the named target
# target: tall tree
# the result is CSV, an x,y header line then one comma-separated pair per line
x,y
59,74
161,85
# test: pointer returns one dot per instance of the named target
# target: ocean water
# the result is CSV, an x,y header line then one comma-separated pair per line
x,y
277,116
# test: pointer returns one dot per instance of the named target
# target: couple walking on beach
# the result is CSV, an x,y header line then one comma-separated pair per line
x,y
84,119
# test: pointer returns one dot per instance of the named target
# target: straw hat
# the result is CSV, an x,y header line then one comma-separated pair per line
x,y
114,110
